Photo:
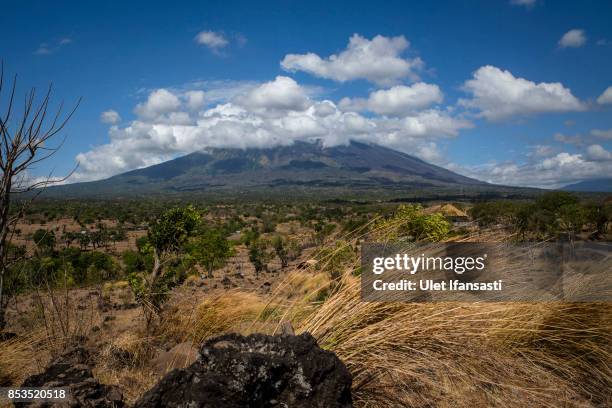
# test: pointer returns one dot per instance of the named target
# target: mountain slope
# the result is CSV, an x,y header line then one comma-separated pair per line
x,y
603,185
298,167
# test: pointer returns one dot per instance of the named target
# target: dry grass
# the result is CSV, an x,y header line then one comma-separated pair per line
x,y
126,362
454,354
22,356
222,312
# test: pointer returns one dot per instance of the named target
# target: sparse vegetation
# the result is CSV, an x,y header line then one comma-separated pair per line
x,y
220,269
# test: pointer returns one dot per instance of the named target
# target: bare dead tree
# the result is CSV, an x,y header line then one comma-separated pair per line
x,y
24,143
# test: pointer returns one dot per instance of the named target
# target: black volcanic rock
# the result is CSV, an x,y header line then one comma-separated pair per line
x,y
303,166
72,370
234,371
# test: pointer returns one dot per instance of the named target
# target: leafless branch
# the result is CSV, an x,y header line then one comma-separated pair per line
x,y
21,148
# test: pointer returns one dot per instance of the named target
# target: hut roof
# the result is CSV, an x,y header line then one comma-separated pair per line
x,y
448,210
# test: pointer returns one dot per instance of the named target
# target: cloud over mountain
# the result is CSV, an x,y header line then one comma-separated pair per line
x,y
410,117
278,112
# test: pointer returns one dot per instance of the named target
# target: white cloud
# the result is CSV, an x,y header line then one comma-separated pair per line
x,y
399,100
281,94
195,99
553,171
598,153
573,39
278,112
497,94
603,134
159,102
377,60
53,47
605,97
525,3
577,140
211,39
541,151
110,117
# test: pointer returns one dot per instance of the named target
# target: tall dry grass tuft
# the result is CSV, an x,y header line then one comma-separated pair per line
x,y
222,312
573,340
127,362
54,322
460,354
22,356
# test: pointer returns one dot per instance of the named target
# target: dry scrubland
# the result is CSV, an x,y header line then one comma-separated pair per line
x,y
400,354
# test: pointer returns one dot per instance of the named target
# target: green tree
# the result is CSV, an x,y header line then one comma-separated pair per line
x,y
44,240
211,250
166,239
281,251
554,200
259,255
571,218
168,234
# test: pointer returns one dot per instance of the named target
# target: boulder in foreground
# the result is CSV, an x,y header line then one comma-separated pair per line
x,y
256,371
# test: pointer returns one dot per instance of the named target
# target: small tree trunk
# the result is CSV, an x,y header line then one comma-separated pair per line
x,y
156,267
2,305
4,231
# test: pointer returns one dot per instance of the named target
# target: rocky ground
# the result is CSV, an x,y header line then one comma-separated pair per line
x,y
230,371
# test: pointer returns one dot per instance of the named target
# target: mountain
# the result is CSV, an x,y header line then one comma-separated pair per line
x,y
602,185
300,168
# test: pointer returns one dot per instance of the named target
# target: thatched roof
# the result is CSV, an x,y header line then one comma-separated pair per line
x,y
448,210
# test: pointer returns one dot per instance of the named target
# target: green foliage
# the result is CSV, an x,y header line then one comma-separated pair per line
x,y
259,255
571,218
354,224
44,240
171,230
211,249
322,231
166,238
134,261
335,259
554,200
498,212
249,235
600,216
553,215
89,266
138,284
431,227
409,222
281,251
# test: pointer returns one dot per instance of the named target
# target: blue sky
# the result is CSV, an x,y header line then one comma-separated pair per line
x,y
507,91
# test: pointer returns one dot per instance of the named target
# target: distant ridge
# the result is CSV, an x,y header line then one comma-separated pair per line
x,y
602,185
300,168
